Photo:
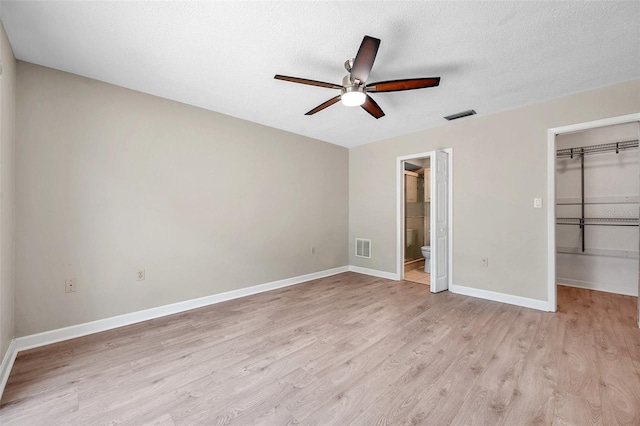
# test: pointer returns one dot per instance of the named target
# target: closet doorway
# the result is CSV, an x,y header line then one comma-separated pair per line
x,y
594,198
424,218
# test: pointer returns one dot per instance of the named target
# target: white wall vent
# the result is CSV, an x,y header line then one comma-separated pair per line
x,y
363,248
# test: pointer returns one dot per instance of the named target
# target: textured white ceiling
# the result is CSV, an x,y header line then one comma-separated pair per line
x,y
222,56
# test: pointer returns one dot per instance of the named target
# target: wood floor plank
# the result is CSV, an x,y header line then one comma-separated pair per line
x,y
347,349
627,313
444,340
620,395
343,350
60,403
380,367
541,371
572,410
337,359
580,377
439,402
347,320
496,389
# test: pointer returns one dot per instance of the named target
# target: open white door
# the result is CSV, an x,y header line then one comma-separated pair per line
x,y
440,222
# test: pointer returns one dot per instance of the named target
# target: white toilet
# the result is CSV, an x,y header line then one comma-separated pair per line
x,y
426,252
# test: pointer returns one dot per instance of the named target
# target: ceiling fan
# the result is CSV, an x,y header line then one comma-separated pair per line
x,y
354,89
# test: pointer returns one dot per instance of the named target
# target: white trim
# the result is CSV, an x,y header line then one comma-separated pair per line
x,y
551,194
79,330
611,121
607,288
525,302
375,273
450,183
7,364
551,222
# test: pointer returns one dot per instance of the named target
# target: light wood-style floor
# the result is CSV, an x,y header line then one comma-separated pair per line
x,y
348,349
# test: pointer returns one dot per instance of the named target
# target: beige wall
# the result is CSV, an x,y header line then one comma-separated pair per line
x,y
113,180
7,204
500,165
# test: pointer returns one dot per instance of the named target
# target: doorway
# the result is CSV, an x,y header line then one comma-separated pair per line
x,y
417,224
594,219
424,215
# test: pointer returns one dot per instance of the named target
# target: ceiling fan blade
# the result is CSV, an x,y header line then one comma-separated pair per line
x,y
307,81
324,105
399,85
364,59
372,107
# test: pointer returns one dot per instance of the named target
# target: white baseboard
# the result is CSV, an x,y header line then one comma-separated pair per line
x,y
7,364
71,332
607,288
374,273
541,305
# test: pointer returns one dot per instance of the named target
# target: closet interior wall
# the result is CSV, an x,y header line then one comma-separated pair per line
x,y
607,260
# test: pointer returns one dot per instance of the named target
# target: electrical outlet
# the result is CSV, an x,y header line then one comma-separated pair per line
x,y
140,275
70,286
485,262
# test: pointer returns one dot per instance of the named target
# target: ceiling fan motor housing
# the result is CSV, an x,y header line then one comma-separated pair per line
x,y
346,82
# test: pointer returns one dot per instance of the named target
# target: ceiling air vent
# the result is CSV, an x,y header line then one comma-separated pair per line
x,y
460,115
363,248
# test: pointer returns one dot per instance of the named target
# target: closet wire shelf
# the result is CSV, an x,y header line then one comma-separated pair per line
x,y
597,149
599,221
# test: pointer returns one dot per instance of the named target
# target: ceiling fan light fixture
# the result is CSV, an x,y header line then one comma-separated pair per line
x,y
353,96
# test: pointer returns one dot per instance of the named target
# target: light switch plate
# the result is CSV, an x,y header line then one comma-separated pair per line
x,y
537,203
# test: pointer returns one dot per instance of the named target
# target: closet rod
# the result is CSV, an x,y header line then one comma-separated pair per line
x,y
597,149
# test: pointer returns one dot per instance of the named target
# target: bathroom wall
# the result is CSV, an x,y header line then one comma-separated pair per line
x,y
606,175
499,167
112,180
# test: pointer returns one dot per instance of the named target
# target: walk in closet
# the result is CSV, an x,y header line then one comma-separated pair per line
x,y
597,209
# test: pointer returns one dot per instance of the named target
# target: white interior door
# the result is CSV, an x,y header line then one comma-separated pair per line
x,y
440,222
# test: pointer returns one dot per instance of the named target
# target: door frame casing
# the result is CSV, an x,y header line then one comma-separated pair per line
x,y
552,302
400,235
